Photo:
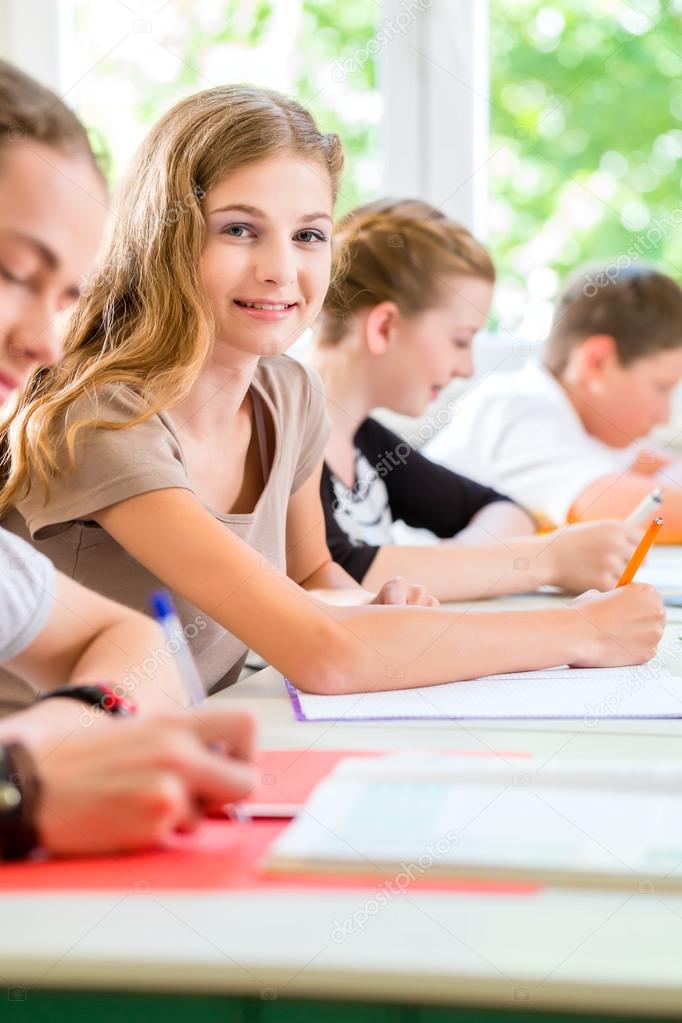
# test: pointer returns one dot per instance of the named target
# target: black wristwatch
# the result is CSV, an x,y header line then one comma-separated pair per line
x,y
95,694
19,795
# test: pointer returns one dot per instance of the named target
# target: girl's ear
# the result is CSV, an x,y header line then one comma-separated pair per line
x,y
381,326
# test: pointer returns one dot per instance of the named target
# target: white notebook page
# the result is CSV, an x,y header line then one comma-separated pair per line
x,y
368,814
588,694
662,568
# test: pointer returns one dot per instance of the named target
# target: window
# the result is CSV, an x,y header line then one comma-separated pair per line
x,y
581,162
132,61
586,144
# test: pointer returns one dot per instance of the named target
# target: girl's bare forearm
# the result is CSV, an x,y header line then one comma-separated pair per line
x,y
453,572
438,645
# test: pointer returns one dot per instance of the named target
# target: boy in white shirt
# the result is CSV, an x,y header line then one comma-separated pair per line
x,y
561,436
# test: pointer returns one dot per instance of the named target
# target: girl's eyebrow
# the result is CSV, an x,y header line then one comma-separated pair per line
x,y
44,251
252,211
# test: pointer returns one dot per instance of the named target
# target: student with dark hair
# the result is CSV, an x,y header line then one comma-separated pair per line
x,y
564,435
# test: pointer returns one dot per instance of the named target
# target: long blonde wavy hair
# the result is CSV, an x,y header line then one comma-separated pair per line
x,y
142,320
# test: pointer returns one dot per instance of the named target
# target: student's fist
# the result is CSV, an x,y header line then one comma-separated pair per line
x,y
590,555
399,591
130,785
618,628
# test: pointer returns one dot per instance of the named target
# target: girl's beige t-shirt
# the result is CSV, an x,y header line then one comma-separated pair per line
x,y
115,465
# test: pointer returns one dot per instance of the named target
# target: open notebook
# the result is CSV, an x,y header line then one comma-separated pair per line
x,y
415,815
586,694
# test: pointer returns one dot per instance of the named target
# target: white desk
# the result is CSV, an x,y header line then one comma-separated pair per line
x,y
614,953
596,952
265,694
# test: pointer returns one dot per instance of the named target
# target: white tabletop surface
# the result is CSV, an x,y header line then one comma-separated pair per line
x,y
600,951
589,951
265,693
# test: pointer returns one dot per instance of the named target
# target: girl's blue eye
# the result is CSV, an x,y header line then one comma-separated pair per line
x,y
317,236
232,229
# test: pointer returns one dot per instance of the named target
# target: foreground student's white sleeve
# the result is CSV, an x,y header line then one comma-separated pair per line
x,y
27,594
533,448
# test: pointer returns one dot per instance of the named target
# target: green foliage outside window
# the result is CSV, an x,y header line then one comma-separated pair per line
x,y
318,51
586,138
586,113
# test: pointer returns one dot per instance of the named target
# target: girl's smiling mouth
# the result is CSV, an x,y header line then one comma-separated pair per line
x,y
263,310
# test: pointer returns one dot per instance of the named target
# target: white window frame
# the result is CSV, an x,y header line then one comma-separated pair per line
x,y
434,69
435,75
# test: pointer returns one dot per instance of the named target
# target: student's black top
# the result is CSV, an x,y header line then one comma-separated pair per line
x,y
393,481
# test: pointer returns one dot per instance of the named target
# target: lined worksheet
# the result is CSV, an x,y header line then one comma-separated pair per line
x,y
588,694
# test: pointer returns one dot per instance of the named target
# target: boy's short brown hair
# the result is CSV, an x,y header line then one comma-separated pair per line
x,y
640,308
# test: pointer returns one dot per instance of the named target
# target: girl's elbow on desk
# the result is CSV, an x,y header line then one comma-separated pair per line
x,y
337,663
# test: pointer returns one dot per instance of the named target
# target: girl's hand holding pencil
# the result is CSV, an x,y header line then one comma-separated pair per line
x,y
627,625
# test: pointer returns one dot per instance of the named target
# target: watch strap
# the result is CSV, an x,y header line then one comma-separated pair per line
x,y
19,798
95,694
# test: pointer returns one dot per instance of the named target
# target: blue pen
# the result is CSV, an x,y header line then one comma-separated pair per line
x,y
164,611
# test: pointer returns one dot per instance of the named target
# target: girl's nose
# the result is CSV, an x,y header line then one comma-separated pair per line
x,y
37,337
464,366
277,265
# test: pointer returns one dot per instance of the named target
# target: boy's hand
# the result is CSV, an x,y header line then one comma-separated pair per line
x,y
130,785
590,555
624,626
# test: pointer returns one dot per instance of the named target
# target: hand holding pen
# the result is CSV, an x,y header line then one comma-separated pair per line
x,y
641,551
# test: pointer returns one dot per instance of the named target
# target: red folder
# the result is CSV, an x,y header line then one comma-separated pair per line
x,y
222,855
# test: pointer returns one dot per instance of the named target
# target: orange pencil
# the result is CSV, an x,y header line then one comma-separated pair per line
x,y
641,552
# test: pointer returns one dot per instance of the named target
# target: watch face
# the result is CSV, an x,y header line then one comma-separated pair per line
x,y
10,796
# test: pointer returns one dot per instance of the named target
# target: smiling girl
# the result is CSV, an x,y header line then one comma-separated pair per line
x,y
410,292
175,443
